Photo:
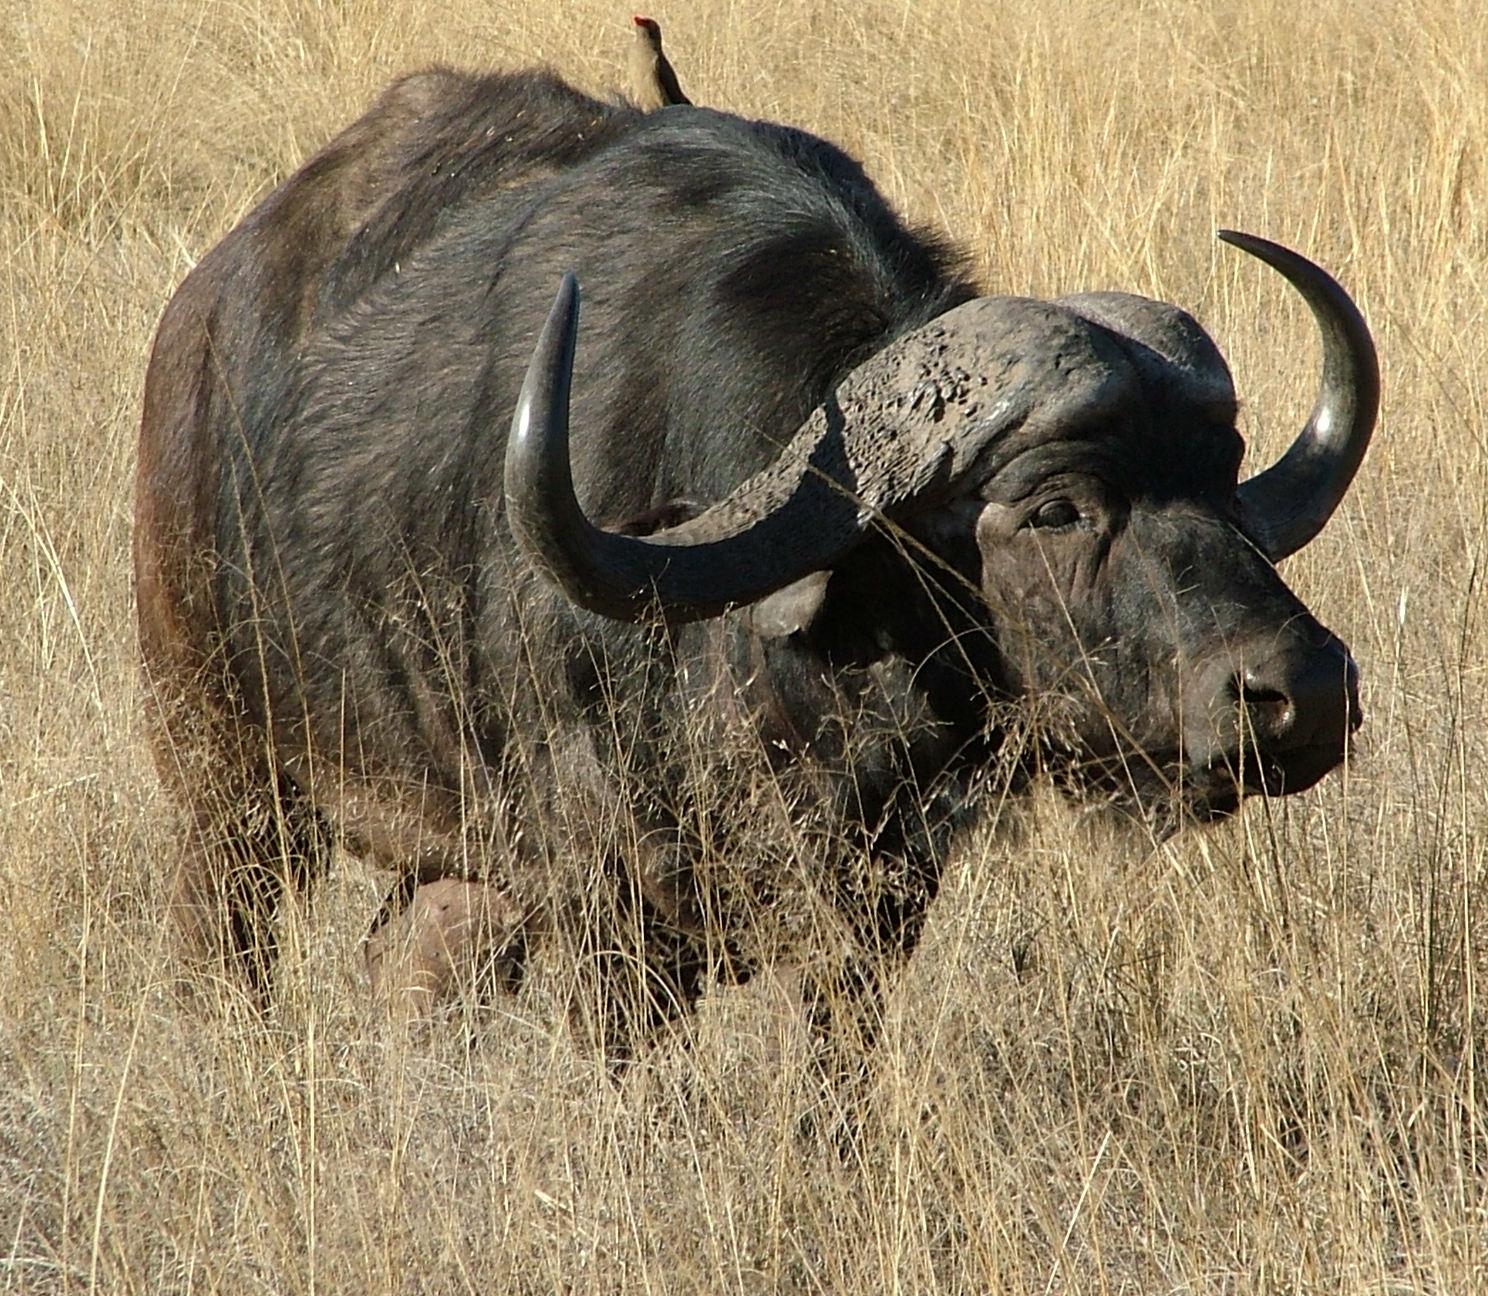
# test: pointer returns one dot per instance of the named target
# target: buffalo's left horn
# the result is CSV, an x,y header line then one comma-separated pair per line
x,y
1286,506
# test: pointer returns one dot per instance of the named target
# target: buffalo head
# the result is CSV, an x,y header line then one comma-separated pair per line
x,y
1071,469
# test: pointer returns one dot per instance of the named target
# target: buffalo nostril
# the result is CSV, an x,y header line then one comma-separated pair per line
x,y
1270,711
1277,718
1297,701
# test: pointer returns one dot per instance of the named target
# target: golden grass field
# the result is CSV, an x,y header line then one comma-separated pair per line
x,y
1245,1060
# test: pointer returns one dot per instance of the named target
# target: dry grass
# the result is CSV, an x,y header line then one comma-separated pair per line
x,y
1244,1061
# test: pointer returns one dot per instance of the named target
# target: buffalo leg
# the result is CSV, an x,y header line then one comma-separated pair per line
x,y
244,851
844,1013
427,937
844,1010
638,974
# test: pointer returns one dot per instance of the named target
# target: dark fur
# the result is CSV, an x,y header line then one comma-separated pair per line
x,y
334,618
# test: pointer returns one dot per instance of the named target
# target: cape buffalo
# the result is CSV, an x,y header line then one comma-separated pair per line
x,y
836,539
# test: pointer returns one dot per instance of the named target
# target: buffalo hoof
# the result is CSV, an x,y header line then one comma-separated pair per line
x,y
453,934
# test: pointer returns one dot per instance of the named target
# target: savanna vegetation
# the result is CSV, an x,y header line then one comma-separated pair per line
x,y
1242,1060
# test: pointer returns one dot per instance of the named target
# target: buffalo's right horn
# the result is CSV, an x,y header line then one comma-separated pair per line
x,y
795,521
1285,506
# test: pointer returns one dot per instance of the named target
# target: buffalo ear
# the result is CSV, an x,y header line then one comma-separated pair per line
x,y
792,609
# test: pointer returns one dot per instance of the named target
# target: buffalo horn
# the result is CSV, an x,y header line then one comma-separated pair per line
x,y
797,516
1285,506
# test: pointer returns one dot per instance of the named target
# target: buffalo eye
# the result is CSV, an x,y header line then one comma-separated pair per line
x,y
1055,515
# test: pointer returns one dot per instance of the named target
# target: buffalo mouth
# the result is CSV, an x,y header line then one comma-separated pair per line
x,y
1165,792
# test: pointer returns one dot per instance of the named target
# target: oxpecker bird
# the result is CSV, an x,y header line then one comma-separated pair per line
x,y
653,83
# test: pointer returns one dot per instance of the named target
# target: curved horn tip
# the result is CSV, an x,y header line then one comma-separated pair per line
x,y
552,357
1239,237
540,501
566,303
1289,503
563,324
1272,253
562,319
544,384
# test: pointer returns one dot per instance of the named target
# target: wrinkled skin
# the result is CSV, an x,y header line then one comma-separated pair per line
x,y
346,637
1125,586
